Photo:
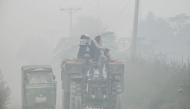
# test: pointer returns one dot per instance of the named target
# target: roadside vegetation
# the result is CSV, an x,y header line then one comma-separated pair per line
x,y
157,82
4,93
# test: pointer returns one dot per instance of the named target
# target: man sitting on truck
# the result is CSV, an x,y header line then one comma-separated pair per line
x,y
93,47
99,48
102,66
94,70
98,69
83,45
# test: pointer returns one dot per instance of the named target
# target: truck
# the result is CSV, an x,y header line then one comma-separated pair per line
x,y
38,87
82,92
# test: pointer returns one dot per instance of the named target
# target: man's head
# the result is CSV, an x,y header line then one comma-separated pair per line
x,y
82,37
87,36
98,38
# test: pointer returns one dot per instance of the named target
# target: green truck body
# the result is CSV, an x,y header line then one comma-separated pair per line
x,y
38,94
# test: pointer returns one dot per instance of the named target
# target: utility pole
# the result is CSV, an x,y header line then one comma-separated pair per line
x,y
135,27
98,9
71,11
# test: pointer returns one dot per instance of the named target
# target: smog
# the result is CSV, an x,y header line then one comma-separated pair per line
x,y
139,48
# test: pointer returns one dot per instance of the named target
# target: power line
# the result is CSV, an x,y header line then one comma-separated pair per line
x,y
89,4
117,16
99,5
77,6
82,2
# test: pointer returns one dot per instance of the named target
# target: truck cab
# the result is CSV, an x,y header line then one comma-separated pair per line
x,y
38,87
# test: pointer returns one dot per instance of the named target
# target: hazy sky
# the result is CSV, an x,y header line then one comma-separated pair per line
x,y
40,17
20,19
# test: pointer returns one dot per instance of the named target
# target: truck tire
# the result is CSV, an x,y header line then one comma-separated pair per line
x,y
78,103
118,102
65,100
54,107
72,94
23,107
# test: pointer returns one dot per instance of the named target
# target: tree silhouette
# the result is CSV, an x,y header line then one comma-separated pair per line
x,y
155,34
179,21
181,25
4,93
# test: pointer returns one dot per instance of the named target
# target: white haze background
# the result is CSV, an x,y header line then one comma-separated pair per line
x,y
27,21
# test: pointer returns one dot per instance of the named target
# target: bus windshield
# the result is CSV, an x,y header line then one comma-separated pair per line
x,y
40,78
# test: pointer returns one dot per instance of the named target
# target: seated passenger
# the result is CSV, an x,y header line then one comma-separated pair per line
x,y
98,69
94,71
102,66
99,48
83,46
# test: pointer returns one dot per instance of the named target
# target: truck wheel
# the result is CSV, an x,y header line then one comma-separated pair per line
x,y
118,102
72,94
23,107
65,100
78,103
53,107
